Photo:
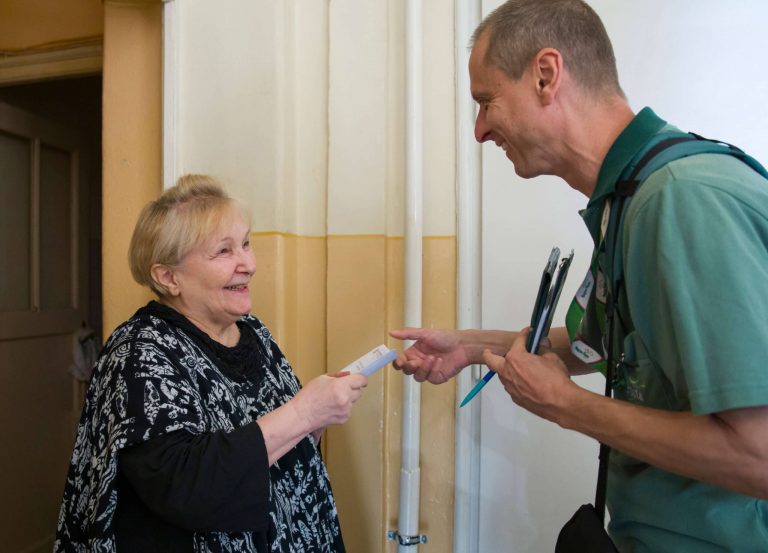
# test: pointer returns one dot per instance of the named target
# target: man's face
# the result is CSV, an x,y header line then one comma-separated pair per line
x,y
507,112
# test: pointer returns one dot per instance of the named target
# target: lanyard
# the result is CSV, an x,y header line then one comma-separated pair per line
x,y
583,325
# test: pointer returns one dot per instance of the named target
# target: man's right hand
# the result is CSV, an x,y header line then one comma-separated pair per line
x,y
436,355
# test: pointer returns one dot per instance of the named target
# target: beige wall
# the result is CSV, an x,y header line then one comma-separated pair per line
x,y
289,295
327,300
328,296
307,130
132,143
299,108
28,24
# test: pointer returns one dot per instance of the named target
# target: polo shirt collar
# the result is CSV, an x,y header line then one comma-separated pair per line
x,y
631,140
628,144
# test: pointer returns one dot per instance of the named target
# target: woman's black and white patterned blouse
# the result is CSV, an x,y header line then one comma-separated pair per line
x,y
159,374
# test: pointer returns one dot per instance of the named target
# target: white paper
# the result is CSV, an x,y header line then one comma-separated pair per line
x,y
372,361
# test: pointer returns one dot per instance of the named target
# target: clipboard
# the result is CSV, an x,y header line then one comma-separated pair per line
x,y
546,301
550,287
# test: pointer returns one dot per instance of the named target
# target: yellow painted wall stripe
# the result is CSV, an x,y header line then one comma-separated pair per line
x,y
326,236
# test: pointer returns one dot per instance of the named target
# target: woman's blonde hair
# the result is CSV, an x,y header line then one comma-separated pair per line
x,y
182,218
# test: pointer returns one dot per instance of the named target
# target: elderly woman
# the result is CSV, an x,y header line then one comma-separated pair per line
x,y
196,435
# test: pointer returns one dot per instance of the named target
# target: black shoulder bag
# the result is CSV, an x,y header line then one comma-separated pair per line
x,y
585,531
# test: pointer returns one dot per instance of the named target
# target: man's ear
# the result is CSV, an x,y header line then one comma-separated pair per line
x,y
165,278
548,72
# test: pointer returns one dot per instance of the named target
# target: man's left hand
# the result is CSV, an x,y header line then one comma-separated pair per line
x,y
537,383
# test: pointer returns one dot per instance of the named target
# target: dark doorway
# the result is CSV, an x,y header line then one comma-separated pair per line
x,y
50,289
74,103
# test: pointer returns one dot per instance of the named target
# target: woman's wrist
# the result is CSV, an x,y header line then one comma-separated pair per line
x,y
300,414
282,429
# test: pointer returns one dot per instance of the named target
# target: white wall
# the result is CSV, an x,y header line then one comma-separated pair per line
x,y
701,66
298,106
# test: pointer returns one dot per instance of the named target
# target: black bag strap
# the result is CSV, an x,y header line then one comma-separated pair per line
x,y
625,189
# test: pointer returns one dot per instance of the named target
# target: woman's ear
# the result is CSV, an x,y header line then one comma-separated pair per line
x,y
165,278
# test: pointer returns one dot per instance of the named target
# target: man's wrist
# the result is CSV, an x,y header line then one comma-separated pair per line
x,y
468,342
573,402
475,342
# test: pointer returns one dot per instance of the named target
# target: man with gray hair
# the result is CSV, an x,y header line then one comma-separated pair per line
x,y
683,264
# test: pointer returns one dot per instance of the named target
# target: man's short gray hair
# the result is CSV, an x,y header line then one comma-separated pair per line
x,y
518,29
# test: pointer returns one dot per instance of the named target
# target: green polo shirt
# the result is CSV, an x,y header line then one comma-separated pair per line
x,y
695,259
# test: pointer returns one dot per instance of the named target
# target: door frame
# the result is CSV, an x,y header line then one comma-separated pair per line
x,y
76,61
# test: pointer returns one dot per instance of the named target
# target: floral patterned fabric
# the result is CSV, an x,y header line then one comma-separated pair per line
x,y
156,376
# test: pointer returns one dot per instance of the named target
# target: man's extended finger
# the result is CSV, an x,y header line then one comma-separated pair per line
x,y
408,333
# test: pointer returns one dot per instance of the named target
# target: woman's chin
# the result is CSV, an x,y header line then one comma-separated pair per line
x,y
239,302
236,311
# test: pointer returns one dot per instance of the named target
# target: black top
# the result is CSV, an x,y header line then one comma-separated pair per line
x,y
179,483
169,456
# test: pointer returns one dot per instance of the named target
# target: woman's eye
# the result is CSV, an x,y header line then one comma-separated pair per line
x,y
223,251
246,244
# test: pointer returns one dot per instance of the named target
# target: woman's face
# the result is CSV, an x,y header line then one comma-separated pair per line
x,y
212,279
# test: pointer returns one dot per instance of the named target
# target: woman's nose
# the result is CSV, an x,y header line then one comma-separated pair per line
x,y
248,261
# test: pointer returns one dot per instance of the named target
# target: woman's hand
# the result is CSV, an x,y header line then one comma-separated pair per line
x,y
328,399
325,400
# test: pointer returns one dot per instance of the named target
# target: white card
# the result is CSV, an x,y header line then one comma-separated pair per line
x,y
372,361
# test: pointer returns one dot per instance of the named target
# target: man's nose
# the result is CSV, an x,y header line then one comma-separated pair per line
x,y
482,131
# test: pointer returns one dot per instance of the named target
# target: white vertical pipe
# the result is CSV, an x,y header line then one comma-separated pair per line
x,y
170,92
408,518
466,515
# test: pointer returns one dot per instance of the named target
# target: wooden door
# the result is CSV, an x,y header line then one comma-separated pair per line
x,y
43,296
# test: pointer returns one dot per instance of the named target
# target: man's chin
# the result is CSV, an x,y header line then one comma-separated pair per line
x,y
521,171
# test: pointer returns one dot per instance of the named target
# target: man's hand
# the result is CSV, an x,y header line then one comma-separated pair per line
x,y
537,383
437,355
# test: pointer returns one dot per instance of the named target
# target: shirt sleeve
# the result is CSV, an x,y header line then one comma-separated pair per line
x,y
697,264
211,482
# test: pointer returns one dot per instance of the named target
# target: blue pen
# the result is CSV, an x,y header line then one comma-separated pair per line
x,y
542,313
479,386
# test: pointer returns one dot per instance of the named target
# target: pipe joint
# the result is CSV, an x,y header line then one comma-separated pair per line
x,y
393,535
